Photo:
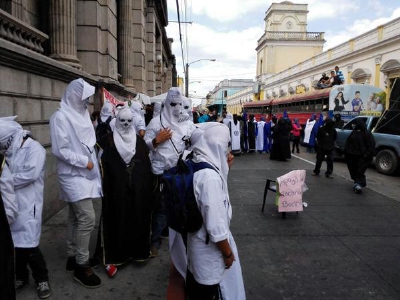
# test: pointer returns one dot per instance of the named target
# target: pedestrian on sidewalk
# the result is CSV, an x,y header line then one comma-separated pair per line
x,y
296,130
8,213
359,152
213,261
73,144
126,205
26,159
326,138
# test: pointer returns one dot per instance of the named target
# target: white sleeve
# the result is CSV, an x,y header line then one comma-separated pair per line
x,y
60,143
8,195
213,204
151,132
32,167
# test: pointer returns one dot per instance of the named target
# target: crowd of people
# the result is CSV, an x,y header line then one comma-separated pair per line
x,y
119,157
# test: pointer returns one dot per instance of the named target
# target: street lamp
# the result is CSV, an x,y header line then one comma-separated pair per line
x,y
187,73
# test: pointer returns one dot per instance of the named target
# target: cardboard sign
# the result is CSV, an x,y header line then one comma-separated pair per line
x,y
290,191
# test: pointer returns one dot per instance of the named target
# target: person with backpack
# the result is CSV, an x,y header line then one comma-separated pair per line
x,y
26,159
213,261
166,137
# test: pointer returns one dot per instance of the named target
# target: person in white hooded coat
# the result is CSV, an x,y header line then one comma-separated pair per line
x,y
213,267
26,159
165,136
73,144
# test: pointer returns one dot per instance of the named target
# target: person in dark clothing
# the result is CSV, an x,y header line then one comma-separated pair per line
x,y
339,123
359,150
281,146
251,133
326,138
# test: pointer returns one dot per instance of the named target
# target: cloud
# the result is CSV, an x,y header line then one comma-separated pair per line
x,y
227,10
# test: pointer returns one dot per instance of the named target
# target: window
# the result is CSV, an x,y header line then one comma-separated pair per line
x,y
349,126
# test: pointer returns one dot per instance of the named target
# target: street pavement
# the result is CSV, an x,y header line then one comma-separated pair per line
x,y
342,246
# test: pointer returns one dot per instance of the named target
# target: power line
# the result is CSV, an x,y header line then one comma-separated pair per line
x,y
180,32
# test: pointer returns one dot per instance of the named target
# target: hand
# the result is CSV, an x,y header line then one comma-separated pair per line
x,y
230,160
90,165
163,135
229,261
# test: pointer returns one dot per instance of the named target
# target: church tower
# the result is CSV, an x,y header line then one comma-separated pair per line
x,y
285,41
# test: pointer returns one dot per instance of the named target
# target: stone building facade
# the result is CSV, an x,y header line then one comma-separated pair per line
x,y
117,44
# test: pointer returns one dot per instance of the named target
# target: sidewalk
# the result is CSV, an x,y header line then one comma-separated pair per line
x,y
343,246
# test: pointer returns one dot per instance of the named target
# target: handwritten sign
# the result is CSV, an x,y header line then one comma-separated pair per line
x,y
290,191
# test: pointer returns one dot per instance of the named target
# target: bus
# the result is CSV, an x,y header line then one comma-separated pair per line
x,y
348,100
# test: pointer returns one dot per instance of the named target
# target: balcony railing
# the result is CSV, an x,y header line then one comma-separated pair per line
x,y
292,35
20,33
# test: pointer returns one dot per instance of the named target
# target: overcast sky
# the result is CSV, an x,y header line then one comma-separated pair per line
x,y
228,30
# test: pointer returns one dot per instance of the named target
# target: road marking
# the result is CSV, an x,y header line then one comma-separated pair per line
x,y
310,162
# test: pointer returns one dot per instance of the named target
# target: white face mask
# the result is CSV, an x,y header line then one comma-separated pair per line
x,y
125,123
176,109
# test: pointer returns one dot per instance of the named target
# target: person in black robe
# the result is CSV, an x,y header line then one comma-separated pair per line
x,y
7,271
281,145
127,201
251,134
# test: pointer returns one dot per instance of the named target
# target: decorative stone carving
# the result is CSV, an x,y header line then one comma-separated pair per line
x,y
378,59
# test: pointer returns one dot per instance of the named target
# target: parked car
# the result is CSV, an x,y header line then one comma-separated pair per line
x,y
387,146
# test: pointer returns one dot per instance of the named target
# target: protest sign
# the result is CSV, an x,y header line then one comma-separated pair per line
x,y
289,193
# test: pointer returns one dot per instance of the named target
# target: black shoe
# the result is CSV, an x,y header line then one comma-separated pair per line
x,y
329,176
44,290
20,285
315,173
85,276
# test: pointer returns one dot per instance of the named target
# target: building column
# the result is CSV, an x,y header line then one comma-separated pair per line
x,y
125,42
63,32
17,9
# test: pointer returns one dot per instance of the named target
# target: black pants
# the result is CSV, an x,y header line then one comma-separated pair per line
x,y
34,258
197,291
329,161
357,166
296,142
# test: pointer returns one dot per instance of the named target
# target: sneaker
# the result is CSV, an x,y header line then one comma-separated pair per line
x,y
111,270
153,251
70,266
20,284
85,276
44,290
357,189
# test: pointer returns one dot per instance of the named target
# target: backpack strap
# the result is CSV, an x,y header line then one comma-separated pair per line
x,y
2,163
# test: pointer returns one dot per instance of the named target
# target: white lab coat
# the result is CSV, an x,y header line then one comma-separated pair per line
x,y
76,181
28,174
8,194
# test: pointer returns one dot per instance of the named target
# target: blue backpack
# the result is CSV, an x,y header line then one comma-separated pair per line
x,y
183,214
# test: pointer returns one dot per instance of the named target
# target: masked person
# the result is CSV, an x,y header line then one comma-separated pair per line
x,y
73,144
138,117
213,267
187,107
127,186
359,151
8,213
26,159
166,137
326,138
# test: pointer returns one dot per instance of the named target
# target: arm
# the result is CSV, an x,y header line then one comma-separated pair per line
x,y
8,195
60,145
32,167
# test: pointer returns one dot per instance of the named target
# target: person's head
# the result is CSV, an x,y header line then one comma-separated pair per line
x,y
339,95
323,74
378,100
77,95
11,134
137,108
357,95
124,119
328,123
333,73
173,104
296,121
210,142
336,69
359,124
338,117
